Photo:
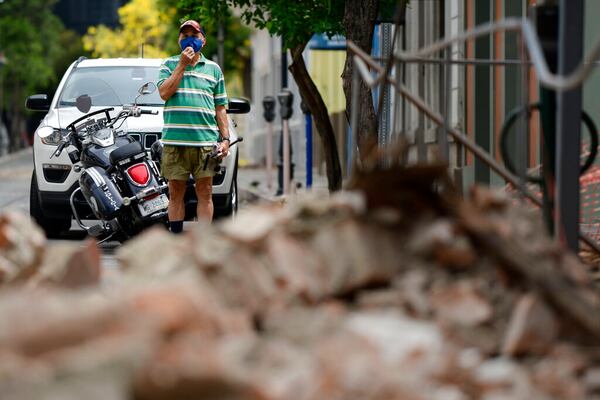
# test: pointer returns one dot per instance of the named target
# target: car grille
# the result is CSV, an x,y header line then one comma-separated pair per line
x,y
146,138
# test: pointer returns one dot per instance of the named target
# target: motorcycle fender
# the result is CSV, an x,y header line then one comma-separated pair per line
x,y
101,193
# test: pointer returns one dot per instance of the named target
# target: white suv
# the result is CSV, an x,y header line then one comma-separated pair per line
x,y
109,83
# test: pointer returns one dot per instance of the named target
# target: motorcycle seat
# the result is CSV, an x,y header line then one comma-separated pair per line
x,y
123,152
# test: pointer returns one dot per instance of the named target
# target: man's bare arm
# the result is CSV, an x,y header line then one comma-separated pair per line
x,y
223,124
170,85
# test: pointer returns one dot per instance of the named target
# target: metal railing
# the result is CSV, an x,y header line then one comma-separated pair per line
x,y
364,65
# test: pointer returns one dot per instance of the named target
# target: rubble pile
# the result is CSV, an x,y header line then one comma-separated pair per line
x,y
396,289
21,247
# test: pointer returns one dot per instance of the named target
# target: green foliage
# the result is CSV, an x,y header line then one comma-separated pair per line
x,y
30,39
141,22
296,21
236,41
210,14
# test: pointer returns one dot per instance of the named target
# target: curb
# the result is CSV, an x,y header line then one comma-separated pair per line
x,y
19,153
253,196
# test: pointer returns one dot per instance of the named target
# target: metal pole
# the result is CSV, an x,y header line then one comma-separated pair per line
x,y
383,104
354,118
523,146
308,119
420,139
284,84
568,121
444,93
221,45
284,66
523,123
362,58
269,155
286,156
403,80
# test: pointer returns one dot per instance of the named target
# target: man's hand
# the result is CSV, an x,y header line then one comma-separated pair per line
x,y
223,149
187,56
170,85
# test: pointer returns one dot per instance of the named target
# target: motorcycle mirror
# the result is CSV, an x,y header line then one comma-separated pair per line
x,y
83,103
147,88
45,131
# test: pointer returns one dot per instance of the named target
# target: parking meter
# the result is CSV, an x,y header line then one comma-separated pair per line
x,y
286,99
304,108
269,115
269,108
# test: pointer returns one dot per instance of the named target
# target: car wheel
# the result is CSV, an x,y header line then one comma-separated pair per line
x,y
232,208
53,227
234,198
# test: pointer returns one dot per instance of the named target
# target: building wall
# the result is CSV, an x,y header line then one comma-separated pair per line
x,y
591,92
427,22
266,81
80,14
325,68
480,96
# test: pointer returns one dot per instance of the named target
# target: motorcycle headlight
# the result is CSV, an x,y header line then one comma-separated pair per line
x,y
54,138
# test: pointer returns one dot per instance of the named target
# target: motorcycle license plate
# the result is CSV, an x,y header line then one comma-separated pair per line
x,y
151,206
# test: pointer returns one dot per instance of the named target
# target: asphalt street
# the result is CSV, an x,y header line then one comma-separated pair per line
x,y
15,178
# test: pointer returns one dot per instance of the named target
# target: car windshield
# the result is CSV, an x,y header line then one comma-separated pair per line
x,y
110,86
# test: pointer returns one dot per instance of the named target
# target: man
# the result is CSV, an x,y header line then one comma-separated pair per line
x,y
195,119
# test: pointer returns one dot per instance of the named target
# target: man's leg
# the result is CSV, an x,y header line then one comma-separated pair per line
x,y
204,193
176,205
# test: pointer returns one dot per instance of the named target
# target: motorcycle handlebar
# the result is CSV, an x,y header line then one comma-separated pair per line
x,y
151,112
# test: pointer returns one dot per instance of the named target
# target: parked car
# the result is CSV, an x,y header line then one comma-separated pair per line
x,y
109,83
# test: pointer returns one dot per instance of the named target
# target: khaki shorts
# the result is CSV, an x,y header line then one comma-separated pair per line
x,y
178,162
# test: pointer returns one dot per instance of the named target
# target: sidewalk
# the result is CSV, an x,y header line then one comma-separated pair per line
x,y
16,154
254,181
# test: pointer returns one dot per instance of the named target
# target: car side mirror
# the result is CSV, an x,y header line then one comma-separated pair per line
x,y
238,105
38,102
83,103
147,88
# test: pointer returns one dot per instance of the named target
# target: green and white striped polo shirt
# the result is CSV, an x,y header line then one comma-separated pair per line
x,y
189,115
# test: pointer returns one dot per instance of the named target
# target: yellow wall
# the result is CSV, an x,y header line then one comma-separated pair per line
x,y
326,67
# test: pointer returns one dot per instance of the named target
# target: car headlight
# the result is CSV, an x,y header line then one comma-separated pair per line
x,y
54,138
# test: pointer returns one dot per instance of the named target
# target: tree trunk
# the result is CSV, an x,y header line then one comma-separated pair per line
x,y
359,23
313,100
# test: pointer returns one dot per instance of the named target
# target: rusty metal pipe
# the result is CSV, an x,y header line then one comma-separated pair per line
x,y
363,59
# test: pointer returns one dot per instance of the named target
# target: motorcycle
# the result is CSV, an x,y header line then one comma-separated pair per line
x,y
118,180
